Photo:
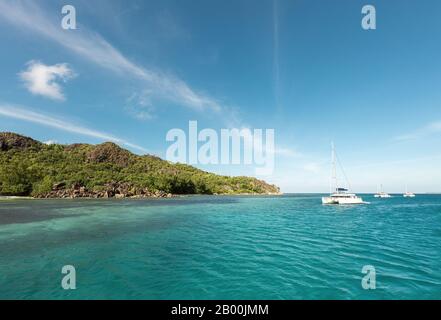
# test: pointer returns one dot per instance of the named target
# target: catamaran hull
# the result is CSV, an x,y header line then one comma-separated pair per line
x,y
332,200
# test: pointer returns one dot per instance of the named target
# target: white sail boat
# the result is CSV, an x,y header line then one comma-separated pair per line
x,y
339,195
382,194
408,194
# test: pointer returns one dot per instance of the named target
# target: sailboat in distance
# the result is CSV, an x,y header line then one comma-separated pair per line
x,y
339,195
408,194
382,194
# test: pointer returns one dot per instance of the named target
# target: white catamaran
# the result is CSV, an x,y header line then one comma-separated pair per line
x,y
339,195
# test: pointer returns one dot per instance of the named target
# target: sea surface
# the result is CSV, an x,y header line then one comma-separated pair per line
x,y
220,247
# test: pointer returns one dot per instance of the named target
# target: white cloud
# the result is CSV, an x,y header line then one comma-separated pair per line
x,y
41,79
49,142
60,124
91,46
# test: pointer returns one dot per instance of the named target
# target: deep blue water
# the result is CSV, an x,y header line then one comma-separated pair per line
x,y
284,247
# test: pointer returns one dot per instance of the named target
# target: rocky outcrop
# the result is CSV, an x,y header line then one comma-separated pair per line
x,y
9,140
111,190
111,153
75,146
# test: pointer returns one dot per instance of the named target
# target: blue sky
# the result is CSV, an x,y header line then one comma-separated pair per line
x,y
135,69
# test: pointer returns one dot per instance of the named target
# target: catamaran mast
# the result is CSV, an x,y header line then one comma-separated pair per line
x,y
334,182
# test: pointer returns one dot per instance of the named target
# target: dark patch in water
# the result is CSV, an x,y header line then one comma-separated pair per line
x,y
26,216
27,211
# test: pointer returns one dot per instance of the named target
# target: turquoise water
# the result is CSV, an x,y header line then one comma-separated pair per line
x,y
288,247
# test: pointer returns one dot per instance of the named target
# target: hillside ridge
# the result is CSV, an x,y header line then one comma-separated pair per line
x,y
31,168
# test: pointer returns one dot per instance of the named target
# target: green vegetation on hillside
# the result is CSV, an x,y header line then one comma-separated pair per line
x,y
28,167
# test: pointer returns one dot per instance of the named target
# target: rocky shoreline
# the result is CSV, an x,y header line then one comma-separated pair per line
x,y
110,190
116,190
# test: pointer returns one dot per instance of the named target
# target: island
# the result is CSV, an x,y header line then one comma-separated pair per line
x,y
29,168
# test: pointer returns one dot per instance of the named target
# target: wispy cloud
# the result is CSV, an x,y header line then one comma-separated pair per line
x,y
395,163
28,15
41,79
287,152
140,105
25,114
429,129
312,167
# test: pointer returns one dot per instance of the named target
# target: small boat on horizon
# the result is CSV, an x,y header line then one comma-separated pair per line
x,y
408,194
382,194
339,195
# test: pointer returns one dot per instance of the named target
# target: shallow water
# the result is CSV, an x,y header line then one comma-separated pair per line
x,y
203,247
